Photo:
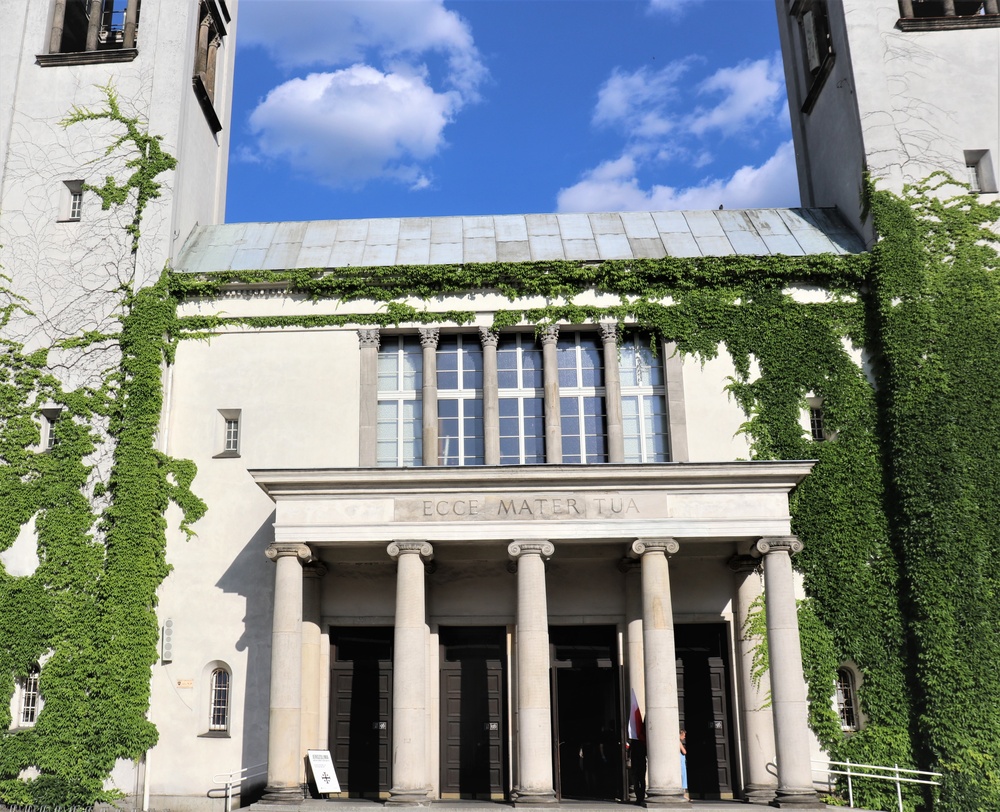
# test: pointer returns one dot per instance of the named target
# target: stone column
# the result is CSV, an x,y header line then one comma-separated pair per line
x,y
94,23
992,7
284,737
949,8
906,7
788,688
662,716
758,724
491,396
550,378
201,55
58,22
368,429
613,393
409,675
131,22
534,713
311,672
429,394
213,53
324,691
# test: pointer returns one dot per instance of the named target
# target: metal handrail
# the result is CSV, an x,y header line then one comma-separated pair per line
x,y
233,779
893,774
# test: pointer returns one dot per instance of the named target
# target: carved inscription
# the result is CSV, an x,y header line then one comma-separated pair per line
x,y
520,507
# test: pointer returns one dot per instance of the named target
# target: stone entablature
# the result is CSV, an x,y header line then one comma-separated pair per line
x,y
738,500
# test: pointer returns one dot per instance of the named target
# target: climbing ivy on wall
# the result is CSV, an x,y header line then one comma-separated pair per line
x,y
898,517
87,611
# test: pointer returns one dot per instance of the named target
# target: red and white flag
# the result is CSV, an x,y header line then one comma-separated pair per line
x,y
636,729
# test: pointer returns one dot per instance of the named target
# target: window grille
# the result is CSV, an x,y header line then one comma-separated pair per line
x,y
816,424
520,381
75,205
846,701
29,697
232,435
460,400
581,398
219,712
399,433
644,413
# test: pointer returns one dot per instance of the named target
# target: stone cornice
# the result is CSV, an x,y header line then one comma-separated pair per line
x,y
299,483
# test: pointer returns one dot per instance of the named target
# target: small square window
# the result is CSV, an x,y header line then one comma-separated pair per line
x,y
230,427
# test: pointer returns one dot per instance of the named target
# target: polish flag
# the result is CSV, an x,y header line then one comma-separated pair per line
x,y
636,729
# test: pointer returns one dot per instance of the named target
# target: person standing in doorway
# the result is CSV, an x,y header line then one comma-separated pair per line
x,y
684,763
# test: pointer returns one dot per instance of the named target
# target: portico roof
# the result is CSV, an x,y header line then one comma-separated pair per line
x,y
515,238
586,503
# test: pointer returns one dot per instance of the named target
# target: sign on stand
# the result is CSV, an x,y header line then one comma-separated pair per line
x,y
324,774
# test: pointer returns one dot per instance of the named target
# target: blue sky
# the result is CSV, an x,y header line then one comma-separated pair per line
x,y
403,108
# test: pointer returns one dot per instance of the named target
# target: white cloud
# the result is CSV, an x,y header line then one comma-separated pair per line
x,y
383,111
752,92
640,100
302,33
348,126
676,7
615,186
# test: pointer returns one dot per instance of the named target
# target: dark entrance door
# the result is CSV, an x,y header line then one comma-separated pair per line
x,y
586,710
473,713
703,696
361,709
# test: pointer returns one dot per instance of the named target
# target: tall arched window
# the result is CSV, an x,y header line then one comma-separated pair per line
x,y
219,700
847,706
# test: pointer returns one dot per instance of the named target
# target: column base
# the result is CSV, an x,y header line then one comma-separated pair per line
x,y
761,794
797,799
407,797
528,798
672,796
283,795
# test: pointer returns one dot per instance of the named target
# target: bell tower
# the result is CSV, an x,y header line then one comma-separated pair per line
x,y
902,88
167,64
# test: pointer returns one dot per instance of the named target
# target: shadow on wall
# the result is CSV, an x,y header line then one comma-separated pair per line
x,y
251,575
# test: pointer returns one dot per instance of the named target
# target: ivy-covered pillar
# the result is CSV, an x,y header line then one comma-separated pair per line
x,y
788,687
284,754
533,784
663,752
368,341
550,380
760,784
409,675
429,393
612,393
491,396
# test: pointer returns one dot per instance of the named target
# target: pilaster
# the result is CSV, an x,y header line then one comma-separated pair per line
x,y
612,393
429,337
553,412
491,396
368,341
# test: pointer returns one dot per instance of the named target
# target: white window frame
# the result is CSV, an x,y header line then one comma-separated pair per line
x,y
517,345
27,700
979,171
399,421
845,702
642,376
453,448
71,201
231,433
571,348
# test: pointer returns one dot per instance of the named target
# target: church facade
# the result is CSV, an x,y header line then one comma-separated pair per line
x,y
476,486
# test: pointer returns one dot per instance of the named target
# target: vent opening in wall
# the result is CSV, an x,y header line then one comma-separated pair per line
x,y
167,641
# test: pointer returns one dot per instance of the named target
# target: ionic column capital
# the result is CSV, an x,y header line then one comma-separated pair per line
x,y
429,337
550,335
489,337
399,548
281,550
369,338
743,563
640,547
314,569
776,544
516,549
609,331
